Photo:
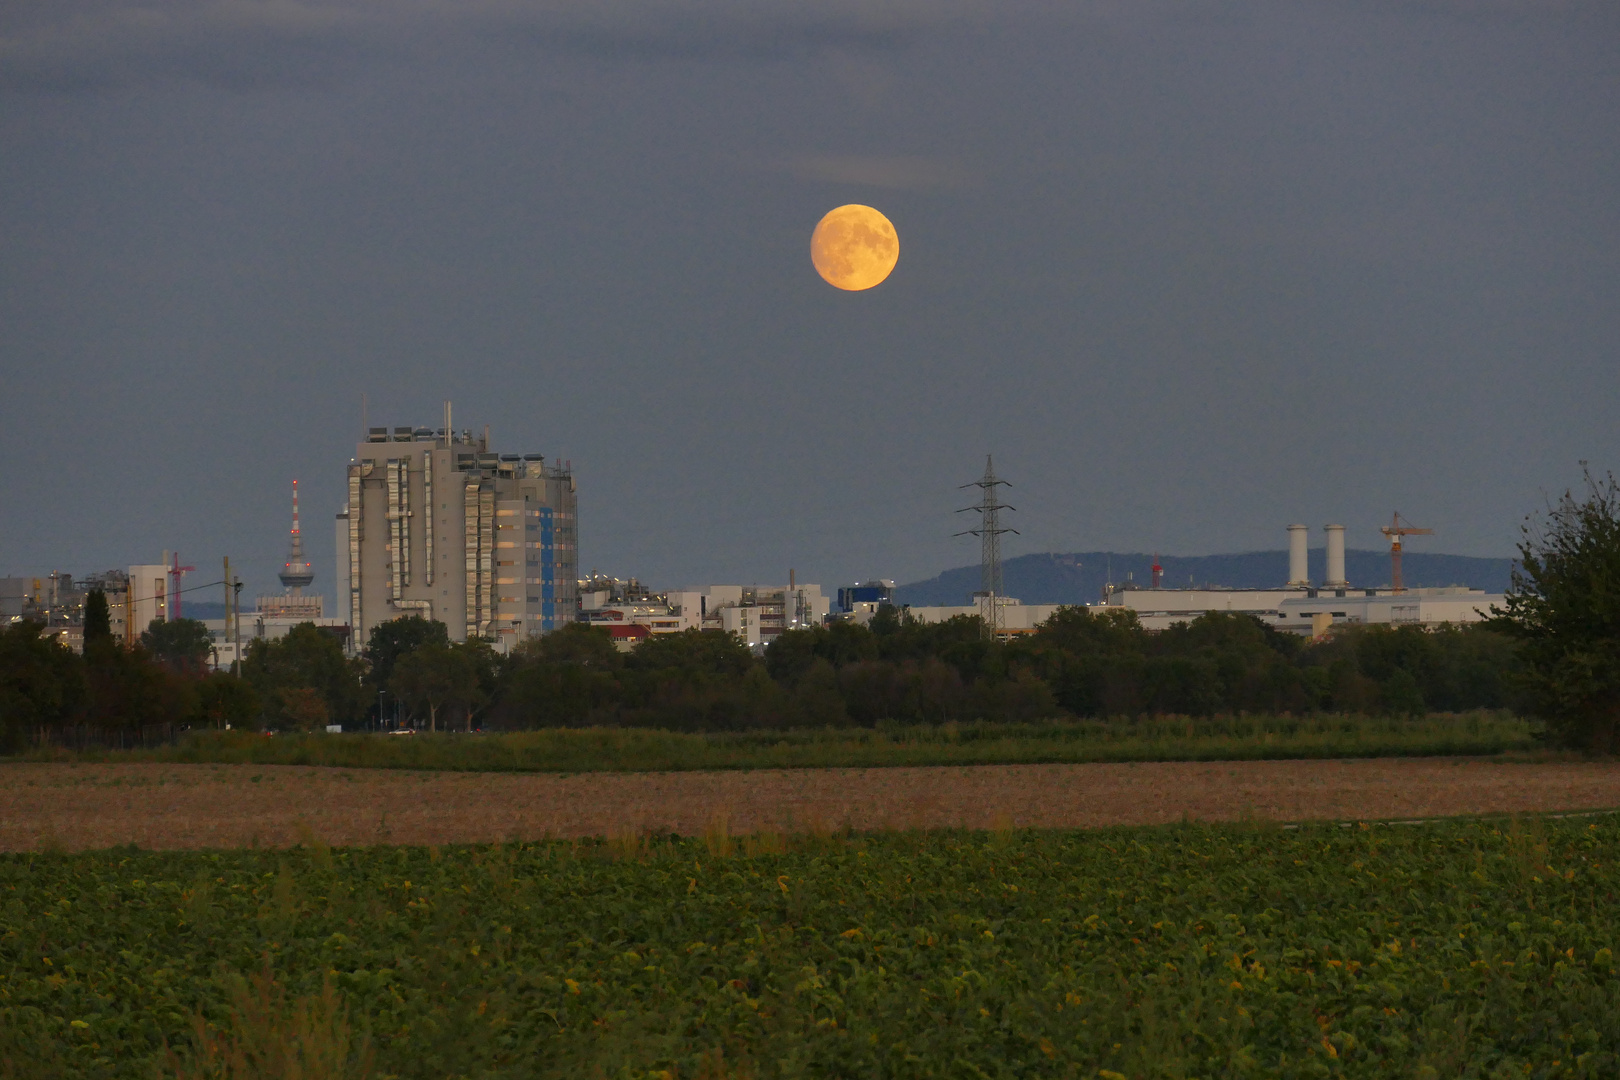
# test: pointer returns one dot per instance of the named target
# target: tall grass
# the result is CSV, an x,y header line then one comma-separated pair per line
x,y
575,750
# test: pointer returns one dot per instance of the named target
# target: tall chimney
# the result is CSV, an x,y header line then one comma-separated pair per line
x,y
1335,559
1299,559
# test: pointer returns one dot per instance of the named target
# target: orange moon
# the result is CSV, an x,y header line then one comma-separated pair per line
x,y
854,247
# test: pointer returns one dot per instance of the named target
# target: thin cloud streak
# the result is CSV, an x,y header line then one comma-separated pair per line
x,y
900,173
248,43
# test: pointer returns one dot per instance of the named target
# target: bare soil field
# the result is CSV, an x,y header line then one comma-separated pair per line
x,y
81,806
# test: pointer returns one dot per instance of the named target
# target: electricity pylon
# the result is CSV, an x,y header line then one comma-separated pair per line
x,y
989,533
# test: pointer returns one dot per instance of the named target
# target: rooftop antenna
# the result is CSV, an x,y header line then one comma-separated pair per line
x,y
297,572
989,532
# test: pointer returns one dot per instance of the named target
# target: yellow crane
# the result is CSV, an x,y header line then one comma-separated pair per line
x,y
1395,530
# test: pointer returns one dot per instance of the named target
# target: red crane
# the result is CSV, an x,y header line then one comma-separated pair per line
x,y
174,586
1395,531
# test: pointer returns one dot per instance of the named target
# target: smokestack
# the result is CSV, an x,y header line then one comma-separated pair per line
x,y
1299,559
1335,559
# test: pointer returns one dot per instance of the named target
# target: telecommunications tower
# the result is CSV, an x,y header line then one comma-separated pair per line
x,y
989,533
297,573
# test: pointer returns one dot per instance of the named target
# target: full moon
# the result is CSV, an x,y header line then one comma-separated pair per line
x,y
854,247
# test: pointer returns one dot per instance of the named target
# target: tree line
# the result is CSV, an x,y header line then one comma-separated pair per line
x,y
1552,653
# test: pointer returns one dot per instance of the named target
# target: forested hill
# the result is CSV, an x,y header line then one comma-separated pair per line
x,y
1078,578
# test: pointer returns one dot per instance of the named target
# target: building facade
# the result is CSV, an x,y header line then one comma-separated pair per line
x,y
440,526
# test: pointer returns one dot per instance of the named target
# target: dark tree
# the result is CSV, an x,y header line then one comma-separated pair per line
x,y
223,699
41,682
303,679
97,617
396,637
183,644
439,680
1564,610
129,689
698,652
577,644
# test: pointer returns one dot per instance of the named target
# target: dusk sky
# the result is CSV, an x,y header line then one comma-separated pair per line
x,y
1191,271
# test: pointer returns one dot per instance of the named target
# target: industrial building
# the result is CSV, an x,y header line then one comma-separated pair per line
x,y
1303,605
136,598
756,614
858,603
439,525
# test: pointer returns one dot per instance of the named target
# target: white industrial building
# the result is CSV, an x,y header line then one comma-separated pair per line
x,y
1299,606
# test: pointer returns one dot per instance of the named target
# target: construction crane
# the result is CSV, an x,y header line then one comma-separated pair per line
x,y
1395,530
174,586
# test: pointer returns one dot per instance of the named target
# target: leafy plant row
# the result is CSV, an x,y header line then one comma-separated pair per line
x,y
1453,949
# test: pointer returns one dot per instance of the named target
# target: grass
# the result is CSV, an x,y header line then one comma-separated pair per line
x,y
1454,949
578,750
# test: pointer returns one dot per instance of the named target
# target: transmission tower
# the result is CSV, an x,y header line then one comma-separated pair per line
x,y
989,533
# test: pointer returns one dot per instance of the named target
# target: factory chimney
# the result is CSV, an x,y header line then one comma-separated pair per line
x,y
1158,572
1334,579
1299,559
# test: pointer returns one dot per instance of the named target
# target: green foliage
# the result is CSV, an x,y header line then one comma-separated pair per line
x,y
694,653
97,616
393,639
1564,612
304,681
183,644
596,749
438,679
1455,949
41,683
225,700
128,689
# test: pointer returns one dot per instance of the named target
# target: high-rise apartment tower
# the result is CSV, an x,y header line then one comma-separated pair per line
x,y
438,525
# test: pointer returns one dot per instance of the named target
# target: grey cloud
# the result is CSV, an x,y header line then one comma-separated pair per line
x,y
253,42
912,173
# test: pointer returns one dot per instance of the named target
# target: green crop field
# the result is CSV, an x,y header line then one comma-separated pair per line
x,y
1448,949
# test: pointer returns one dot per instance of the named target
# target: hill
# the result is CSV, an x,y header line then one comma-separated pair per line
x,y
1078,578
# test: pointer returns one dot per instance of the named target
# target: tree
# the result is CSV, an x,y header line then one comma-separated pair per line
x,y
41,682
694,652
224,699
307,658
183,644
129,689
440,677
97,617
393,639
1563,608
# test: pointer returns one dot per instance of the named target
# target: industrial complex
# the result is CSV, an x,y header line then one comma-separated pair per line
x,y
1302,604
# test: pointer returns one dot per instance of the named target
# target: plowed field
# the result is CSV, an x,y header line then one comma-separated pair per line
x,y
206,806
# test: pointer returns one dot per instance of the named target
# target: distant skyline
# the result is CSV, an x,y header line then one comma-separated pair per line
x,y
1191,271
